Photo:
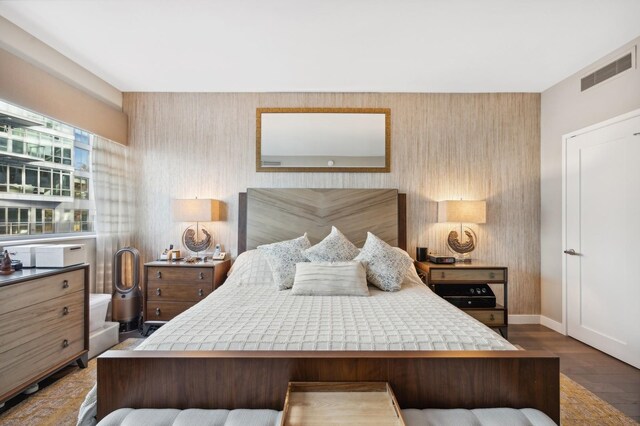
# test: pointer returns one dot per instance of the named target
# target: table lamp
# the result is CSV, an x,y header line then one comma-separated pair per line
x,y
195,210
462,211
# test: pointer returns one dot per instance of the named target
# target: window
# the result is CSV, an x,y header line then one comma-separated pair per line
x,y
43,223
45,171
81,159
81,221
81,188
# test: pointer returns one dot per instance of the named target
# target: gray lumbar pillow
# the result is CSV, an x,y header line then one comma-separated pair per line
x,y
386,265
330,279
335,247
282,258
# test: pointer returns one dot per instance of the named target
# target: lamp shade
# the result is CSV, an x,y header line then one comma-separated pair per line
x,y
462,211
195,210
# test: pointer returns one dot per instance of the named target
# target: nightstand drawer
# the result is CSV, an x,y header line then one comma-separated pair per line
x,y
488,317
467,274
165,311
158,274
177,292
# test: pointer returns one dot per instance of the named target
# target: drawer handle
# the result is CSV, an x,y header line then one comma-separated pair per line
x,y
159,275
65,311
157,312
200,292
65,284
158,291
441,274
65,343
492,318
201,275
492,275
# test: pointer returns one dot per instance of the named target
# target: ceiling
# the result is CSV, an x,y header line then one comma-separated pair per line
x,y
330,45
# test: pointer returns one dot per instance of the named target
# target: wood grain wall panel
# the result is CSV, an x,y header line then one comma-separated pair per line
x,y
443,146
282,214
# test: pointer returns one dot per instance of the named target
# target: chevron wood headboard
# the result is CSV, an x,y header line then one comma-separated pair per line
x,y
274,214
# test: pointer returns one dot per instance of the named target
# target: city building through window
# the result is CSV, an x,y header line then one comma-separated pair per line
x,y
45,175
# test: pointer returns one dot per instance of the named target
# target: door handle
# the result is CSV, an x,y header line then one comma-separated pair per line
x,y
572,252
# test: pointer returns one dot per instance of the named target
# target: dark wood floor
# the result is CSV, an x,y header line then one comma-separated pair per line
x,y
612,380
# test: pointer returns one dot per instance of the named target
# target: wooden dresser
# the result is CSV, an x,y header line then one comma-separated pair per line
x,y
44,324
171,288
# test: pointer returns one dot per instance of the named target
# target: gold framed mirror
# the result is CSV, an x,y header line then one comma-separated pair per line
x,y
323,140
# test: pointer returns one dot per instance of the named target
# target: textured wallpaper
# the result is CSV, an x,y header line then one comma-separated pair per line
x,y
443,146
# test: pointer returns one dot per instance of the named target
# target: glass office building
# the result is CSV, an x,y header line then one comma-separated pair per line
x,y
45,175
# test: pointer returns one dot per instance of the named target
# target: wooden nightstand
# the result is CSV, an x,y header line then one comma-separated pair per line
x,y
173,287
472,273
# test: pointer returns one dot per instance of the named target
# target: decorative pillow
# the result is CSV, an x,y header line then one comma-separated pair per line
x,y
386,265
282,258
330,279
334,248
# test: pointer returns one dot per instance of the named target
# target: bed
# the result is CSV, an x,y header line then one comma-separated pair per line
x,y
241,346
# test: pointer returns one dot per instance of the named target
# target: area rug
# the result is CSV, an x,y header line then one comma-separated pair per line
x,y
58,403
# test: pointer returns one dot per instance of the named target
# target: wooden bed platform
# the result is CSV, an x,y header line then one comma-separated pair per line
x,y
259,379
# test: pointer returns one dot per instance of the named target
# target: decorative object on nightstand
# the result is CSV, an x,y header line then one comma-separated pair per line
x,y
470,280
196,210
462,211
171,288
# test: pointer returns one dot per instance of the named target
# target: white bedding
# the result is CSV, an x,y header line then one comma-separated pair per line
x,y
249,313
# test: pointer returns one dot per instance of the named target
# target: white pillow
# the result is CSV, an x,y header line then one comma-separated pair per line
x,y
386,265
330,279
282,258
250,268
335,247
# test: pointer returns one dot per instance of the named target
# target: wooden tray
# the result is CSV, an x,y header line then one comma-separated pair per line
x,y
341,403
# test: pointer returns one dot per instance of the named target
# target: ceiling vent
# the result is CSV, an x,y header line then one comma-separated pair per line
x,y
605,73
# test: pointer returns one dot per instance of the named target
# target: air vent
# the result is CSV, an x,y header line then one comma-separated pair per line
x,y
616,67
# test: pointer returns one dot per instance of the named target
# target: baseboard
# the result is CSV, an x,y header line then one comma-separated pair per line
x,y
524,319
549,323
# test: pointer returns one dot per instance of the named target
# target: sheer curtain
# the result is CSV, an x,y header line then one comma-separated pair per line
x,y
114,207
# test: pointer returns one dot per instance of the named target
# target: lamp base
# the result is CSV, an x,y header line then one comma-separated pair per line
x,y
462,248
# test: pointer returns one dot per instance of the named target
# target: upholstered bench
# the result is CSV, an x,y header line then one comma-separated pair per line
x,y
413,417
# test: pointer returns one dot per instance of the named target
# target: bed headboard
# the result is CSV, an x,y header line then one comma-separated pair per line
x,y
268,215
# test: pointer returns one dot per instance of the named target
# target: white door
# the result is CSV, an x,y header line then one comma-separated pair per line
x,y
602,234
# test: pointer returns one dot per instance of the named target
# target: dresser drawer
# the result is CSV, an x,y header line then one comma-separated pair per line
x,y
178,292
461,275
165,311
21,295
488,317
160,274
35,321
24,363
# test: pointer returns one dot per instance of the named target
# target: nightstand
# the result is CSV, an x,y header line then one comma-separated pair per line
x,y
472,273
171,288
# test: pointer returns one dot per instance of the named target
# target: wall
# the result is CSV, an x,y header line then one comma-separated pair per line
x,y
25,85
443,146
565,109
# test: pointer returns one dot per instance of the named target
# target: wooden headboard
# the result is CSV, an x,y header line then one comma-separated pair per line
x,y
274,214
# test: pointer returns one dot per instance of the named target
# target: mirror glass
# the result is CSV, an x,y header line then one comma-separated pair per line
x,y
338,140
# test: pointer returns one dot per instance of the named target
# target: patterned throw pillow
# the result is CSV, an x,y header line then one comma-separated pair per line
x,y
330,279
282,258
386,265
334,248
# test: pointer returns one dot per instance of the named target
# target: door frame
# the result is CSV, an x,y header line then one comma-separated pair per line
x,y
565,140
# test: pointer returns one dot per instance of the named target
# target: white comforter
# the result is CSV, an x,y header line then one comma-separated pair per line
x,y
248,313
